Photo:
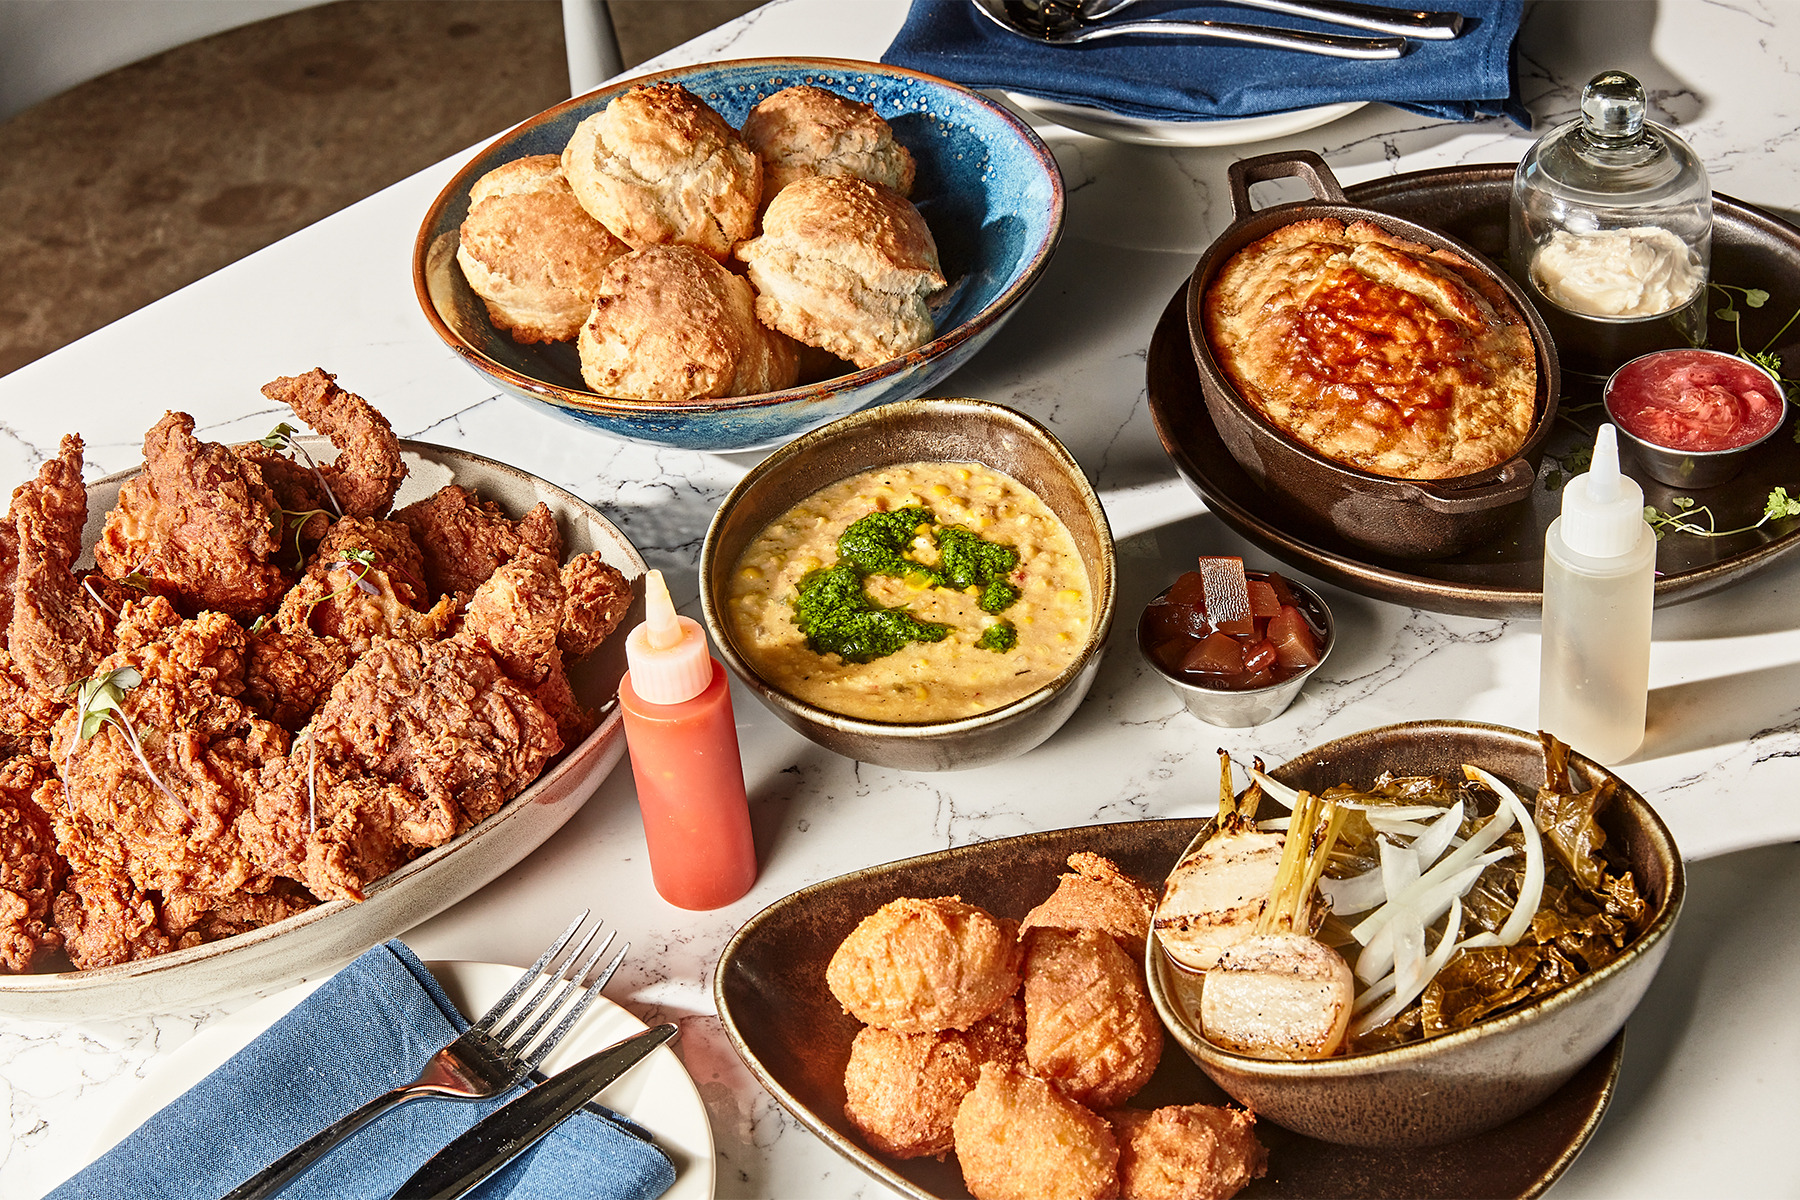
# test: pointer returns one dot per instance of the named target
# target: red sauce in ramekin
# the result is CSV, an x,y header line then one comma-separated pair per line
x,y
1694,400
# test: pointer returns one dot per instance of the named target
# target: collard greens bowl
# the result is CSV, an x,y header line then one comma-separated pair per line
x,y
1460,1083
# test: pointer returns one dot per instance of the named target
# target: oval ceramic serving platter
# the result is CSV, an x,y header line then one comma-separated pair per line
x,y
1503,577
338,930
795,1037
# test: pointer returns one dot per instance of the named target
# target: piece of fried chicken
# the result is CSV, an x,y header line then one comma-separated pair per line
x,y
53,631
917,966
152,794
1089,1025
1019,1138
1186,1152
31,869
416,743
198,524
1097,895
368,468
465,538
365,582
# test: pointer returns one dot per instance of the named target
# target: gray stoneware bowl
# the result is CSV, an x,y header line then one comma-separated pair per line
x,y
1403,518
939,430
987,186
1460,1083
318,940
1242,708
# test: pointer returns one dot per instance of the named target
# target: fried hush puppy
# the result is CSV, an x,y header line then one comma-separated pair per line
x,y
1187,1152
1097,895
902,1090
1089,1025
1019,1138
919,966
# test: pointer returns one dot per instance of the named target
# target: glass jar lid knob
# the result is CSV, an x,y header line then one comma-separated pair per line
x,y
1612,107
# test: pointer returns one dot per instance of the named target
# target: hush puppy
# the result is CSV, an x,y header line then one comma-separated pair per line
x,y
1018,1138
918,966
902,1090
1187,1152
1097,895
1089,1025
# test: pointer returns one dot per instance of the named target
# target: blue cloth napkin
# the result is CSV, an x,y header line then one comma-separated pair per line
x,y
1175,79
369,1028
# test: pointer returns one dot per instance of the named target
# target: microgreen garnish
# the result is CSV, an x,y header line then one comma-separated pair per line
x,y
282,438
1689,516
89,585
1766,358
362,560
136,578
299,519
261,622
99,701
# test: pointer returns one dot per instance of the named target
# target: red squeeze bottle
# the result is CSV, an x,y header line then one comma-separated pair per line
x,y
684,755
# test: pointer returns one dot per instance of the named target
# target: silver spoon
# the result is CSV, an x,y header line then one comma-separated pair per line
x,y
1059,22
1417,23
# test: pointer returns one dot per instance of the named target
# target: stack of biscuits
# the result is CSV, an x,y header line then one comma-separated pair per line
x,y
691,261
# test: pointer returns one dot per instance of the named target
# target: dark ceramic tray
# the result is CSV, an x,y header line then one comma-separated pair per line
x,y
1503,577
791,1032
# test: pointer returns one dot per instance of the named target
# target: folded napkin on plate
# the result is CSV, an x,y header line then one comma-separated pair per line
x,y
1176,79
369,1028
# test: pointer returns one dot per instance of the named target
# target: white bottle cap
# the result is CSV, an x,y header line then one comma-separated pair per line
x,y
667,654
1603,510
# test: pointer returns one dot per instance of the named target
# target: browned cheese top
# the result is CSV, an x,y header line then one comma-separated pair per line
x,y
1378,353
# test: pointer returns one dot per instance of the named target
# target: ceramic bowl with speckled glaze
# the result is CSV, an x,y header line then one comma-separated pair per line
x,y
1458,1084
987,187
935,430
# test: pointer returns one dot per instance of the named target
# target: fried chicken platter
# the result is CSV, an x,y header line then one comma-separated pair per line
x,y
262,705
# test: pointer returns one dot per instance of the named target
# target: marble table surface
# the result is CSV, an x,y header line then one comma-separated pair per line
x,y
1709,1080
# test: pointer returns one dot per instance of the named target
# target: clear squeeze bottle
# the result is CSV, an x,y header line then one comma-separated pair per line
x,y
1599,580
684,756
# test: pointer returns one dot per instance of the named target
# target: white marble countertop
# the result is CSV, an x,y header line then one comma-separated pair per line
x,y
1708,1083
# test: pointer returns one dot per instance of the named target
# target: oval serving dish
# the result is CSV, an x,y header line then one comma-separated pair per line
x,y
336,931
1403,518
1458,1084
986,185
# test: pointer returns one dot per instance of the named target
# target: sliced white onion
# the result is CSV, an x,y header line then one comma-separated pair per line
x,y
1399,866
1378,956
1531,887
1405,994
1451,864
1394,812
1431,845
1358,893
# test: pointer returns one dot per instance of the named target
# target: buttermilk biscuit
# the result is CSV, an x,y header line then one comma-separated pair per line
x,y
657,166
1391,357
845,265
670,324
530,251
802,131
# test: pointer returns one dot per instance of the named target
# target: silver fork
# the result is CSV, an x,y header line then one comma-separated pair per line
x,y
480,1063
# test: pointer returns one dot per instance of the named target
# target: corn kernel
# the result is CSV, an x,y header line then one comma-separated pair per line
x,y
940,489
752,573
1069,596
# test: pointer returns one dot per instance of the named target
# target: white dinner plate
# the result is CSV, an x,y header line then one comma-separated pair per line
x,y
657,1093
1218,131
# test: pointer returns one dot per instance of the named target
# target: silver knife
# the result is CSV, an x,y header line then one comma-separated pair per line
x,y
509,1130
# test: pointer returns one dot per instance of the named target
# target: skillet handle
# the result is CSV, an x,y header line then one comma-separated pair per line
x,y
1285,164
1513,483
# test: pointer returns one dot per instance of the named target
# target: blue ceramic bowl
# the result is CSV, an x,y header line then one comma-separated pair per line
x,y
986,185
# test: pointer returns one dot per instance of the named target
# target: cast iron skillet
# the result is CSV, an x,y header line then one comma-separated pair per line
x,y
1401,518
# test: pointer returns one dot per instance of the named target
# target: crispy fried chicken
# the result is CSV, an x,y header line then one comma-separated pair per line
x,y
369,468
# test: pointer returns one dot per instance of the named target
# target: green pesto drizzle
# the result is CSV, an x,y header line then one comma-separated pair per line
x,y
835,612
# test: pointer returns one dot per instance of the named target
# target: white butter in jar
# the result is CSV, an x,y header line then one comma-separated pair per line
x,y
1637,272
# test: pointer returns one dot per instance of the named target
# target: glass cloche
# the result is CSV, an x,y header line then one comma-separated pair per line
x,y
1611,230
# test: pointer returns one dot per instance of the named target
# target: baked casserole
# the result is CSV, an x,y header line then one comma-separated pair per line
x,y
1379,353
